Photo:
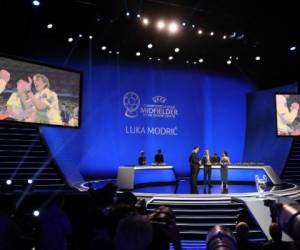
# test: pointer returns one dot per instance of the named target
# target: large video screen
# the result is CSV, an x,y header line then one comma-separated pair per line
x,y
36,93
288,115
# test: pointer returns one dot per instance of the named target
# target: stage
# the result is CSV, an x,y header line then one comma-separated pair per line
x,y
181,189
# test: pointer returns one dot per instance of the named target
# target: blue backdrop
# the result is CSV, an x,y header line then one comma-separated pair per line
x,y
170,109
262,143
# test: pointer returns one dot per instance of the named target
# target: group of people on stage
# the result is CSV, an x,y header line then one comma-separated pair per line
x,y
207,161
158,158
195,162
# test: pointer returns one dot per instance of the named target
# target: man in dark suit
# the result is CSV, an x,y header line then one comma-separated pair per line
x,y
159,158
142,158
215,159
194,165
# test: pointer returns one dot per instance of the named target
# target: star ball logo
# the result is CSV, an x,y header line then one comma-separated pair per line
x,y
131,102
157,109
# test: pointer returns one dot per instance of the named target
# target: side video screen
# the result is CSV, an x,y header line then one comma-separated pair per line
x,y
36,93
288,115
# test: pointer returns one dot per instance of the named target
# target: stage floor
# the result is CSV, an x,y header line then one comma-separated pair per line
x,y
182,188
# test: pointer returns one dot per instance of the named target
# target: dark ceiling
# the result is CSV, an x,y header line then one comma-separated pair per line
x,y
262,28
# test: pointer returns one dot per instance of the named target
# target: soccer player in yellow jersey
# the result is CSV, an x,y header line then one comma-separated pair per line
x,y
45,101
19,106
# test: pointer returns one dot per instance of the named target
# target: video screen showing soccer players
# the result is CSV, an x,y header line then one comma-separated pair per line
x,y
36,93
288,115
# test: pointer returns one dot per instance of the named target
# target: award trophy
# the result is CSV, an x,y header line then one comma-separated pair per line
x,y
261,184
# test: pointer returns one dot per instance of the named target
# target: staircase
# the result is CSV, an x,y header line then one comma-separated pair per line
x,y
24,156
291,171
195,217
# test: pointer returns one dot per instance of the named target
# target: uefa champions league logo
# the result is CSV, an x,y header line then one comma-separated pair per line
x,y
131,102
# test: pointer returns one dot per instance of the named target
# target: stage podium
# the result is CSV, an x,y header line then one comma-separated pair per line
x,y
130,177
243,174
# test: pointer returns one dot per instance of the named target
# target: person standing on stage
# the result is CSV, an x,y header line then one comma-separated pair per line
x,y
225,161
215,159
194,167
142,158
206,161
159,158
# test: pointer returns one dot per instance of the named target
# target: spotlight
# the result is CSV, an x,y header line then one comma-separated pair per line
x,y
173,27
232,35
90,37
193,26
70,39
224,37
237,58
200,32
195,62
98,19
230,57
201,60
160,25
138,16
187,61
150,46
257,58
293,48
117,52
240,37
212,33
158,59
36,213
50,26
176,50
29,181
228,62
36,3
103,47
110,52
127,14
80,35
183,24
150,58
8,182
145,21
138,53
170,58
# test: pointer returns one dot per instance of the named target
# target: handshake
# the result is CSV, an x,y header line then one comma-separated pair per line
x,y
295,106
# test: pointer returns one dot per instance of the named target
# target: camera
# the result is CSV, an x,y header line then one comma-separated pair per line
x,y
287,216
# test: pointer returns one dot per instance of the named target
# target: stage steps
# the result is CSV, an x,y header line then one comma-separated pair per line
x,y
195,217
24,155
291,171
